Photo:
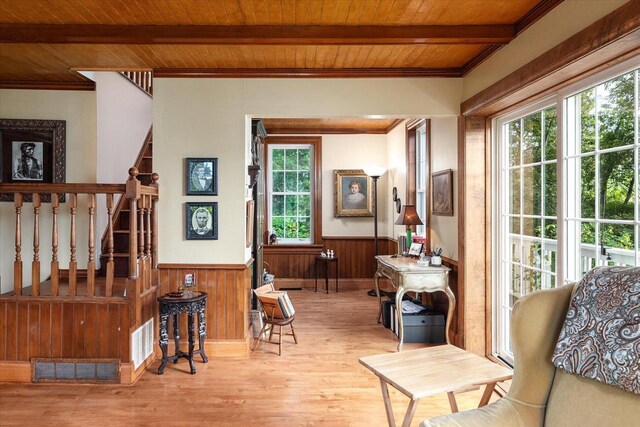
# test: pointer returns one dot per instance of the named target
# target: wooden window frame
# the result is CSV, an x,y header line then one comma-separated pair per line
x,y
316,143
411,129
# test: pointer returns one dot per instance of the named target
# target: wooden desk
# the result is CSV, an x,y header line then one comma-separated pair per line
x,y
406,275
433,370
191,302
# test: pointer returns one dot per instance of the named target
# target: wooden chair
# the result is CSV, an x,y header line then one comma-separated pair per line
x,y
270,321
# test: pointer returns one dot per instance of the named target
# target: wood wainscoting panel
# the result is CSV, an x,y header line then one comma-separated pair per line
x,y
229,288
356,257
50,328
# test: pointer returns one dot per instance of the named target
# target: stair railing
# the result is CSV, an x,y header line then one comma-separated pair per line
x,y
143,238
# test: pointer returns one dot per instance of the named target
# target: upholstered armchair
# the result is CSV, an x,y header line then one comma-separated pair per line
x,y
540,393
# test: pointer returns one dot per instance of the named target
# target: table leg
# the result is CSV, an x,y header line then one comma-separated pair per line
x,y
387,403
452,307
337,274
191,342
202,332
487,394
452,402
176,336
316,275
164,341
326,276
411,410
376,280
399,293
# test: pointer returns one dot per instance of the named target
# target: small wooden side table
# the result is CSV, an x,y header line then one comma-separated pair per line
x,y
434,370
326,261
190,302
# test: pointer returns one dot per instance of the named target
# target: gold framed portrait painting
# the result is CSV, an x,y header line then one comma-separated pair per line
x,y
353,193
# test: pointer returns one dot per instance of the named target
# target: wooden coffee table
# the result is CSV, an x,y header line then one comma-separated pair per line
x,y
433,370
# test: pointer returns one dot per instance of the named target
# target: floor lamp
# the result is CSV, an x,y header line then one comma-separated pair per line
x,y
375,172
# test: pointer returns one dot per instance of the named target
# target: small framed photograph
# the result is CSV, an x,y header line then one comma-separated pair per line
x,y
415,249
189,279
202,176
353,194
442,196
201,220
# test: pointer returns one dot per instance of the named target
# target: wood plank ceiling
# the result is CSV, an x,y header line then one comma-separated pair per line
x,y
45,41
330,126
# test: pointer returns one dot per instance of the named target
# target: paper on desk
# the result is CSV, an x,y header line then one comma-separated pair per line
x,y
411,308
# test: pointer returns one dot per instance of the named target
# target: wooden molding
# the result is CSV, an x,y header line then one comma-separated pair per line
x,y
292,249
42,85
395,124
256,34
479,59
614,38
304,72
325,131
244,266
380,238
16,372
539,10
316,141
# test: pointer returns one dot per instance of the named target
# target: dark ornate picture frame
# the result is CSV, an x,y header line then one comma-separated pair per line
x,y
52,135
209,169
210,229
442,193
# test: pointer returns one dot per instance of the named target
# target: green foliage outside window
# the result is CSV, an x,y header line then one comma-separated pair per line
x,y
291,193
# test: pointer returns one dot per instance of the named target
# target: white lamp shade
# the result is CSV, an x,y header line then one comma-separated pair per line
x,y
376,171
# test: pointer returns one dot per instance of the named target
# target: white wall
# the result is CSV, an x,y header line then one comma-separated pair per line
x,y
444,155
124,117
78,108
352,152
562,22
209,117
397,176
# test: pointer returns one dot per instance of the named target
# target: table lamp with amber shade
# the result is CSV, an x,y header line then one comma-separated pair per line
x,y
408,216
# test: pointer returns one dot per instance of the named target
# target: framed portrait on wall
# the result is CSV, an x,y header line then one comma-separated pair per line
x,y
201,220
353,193
202,176
442,193
32,151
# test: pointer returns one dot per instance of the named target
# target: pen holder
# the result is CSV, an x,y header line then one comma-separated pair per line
x,y
436,261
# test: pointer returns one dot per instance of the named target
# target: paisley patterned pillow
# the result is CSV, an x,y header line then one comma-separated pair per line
x,y
600,338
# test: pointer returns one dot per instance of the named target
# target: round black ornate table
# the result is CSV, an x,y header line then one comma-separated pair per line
x,y
191,303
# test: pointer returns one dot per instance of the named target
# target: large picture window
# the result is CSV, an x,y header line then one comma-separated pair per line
x,y
290,192
558,219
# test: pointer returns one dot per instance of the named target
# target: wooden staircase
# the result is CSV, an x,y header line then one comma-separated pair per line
x,y
144,164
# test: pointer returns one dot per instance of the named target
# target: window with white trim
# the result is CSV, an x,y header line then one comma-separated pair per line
x,y
290,192
558,219
421,177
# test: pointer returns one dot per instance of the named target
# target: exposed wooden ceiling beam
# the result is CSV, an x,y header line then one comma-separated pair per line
x,y
305,72
46,85
256,34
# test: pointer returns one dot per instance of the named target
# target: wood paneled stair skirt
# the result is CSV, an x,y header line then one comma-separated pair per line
x,y
79,325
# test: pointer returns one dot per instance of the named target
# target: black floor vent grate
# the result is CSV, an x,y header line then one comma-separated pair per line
x,y
75,370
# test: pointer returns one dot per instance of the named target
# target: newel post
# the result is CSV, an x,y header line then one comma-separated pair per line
x,y
132,193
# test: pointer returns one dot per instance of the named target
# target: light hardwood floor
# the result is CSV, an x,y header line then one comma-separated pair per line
x,y
317,382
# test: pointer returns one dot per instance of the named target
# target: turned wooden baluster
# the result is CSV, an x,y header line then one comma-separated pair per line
x,y
154,210
55,269
133,194
142,262
35,265
147,240
91,265
109,279
73,264
17,264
